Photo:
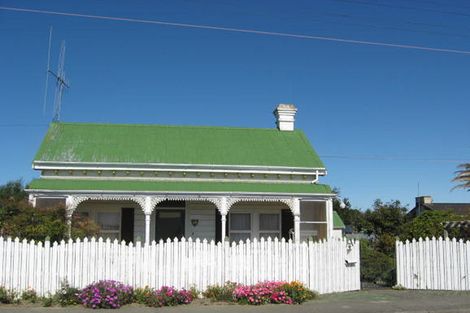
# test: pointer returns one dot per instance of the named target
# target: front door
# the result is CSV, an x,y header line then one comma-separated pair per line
x,y
169,224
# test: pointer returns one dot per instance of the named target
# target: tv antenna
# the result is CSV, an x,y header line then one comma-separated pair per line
x,y
59,75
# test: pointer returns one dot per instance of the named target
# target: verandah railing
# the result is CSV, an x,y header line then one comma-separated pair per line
x,y
325,266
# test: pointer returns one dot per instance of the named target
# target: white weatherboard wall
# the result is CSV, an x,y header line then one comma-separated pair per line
x,y
204,213
438,264
328,266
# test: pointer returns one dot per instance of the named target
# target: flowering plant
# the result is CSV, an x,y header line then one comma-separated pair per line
x,y
298,292
272,292
221,293
67,295
261,293
106,294
166,296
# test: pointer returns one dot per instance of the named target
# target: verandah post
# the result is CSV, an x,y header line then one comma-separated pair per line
x,y
147,228
223,209
296,212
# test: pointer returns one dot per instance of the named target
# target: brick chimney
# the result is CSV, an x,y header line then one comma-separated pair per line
x,y
285,116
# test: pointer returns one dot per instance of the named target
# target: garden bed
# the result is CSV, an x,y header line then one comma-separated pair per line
x,y
109,294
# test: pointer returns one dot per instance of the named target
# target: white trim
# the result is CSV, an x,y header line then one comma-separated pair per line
x,y
166,193
192,179
38,165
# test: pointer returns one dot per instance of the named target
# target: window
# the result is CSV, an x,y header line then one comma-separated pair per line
x,y
254,225
313,224
269,225
240,226
110,224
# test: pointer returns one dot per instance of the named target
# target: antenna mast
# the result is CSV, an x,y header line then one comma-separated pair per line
x,y
61,83
46,87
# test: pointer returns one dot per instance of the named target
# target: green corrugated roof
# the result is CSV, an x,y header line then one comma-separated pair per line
x,y
175,186
337,221
79,142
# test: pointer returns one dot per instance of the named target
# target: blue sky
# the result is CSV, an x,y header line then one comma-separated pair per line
x,y
398,117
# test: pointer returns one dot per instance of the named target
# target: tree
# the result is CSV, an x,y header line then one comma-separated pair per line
x,y
19,219
386,218
429,224
351,217
376,267
385,222
463,177
12,197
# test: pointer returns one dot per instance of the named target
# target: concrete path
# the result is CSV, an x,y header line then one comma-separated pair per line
x,y
367,301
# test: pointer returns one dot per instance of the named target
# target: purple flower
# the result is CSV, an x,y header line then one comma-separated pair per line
x,y
107,294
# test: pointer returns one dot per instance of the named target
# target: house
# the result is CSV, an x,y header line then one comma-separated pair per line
x,y
338,226
156,182
425,203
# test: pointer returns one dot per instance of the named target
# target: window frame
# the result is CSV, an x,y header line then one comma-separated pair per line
x,y
279,229
255,230
325,222
102,232
230,231
93,215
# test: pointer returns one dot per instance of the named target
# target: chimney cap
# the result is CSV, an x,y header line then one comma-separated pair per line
x,y
285,116
424,200
286,106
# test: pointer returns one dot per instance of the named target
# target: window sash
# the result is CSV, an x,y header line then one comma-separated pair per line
x,y
245,224
112,227
256,230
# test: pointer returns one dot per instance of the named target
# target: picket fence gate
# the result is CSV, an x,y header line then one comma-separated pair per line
x,y
325,266
438,264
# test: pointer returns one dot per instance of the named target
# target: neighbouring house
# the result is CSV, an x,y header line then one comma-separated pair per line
x,y
425,203
338,226
152,182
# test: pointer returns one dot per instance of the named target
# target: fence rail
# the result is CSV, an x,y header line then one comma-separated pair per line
x,y
327,266
439,264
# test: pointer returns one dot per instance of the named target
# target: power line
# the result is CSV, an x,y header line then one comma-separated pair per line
x,y
325,156
391,158
386,5
22,125
240,30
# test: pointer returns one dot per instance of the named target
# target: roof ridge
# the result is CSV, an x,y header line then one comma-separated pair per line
x,y
450,203
171,126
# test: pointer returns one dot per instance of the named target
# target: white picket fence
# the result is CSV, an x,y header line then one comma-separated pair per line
x,y
327,266
439,264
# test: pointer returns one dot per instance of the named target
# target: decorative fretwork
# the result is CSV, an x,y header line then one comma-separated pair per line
x,y
148,203
72,202
290,202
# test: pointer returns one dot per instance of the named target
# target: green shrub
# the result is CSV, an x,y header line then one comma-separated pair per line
x,y
194,292
29,295
165,296
220,293
432,223
298,292
67,295
7,296
376,267
142,295
19,219
47,301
